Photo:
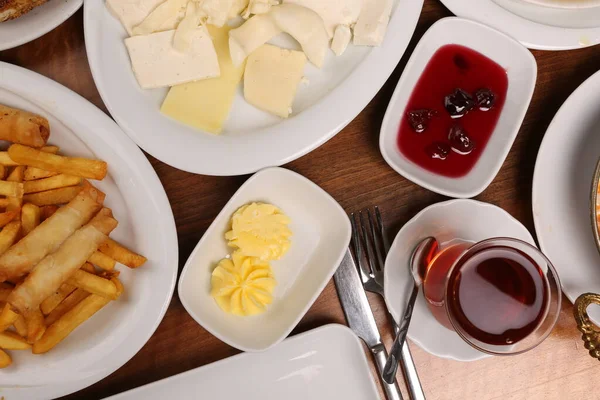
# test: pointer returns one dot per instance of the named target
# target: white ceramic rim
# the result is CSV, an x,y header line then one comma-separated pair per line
x,y
41,29
531,34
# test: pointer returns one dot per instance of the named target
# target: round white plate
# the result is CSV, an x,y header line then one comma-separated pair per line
x,y
36,23
455,219
562,183
251,139
111,337
532,34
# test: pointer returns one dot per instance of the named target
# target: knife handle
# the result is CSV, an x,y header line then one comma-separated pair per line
x,y
392,391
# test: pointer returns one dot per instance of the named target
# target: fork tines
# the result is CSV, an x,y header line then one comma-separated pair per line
x,y
368,241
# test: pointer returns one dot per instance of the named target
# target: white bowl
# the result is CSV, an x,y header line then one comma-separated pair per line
x,y
321,234
574,16
521,68
565,3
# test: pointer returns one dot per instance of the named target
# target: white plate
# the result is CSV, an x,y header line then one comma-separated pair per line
x,y
252,139
562,17
322,364
562,183
320,237
111,337
36,23
532,34
521,70
455,219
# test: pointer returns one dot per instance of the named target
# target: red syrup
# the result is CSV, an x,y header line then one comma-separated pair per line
x,y
467,76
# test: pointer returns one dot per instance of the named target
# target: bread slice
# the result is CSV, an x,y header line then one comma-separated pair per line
x,y
11,9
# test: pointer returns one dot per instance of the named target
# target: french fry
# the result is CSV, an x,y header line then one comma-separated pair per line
x,y
2,171
61,328
23,127
34,319
52,301
93,284
12,341
54,182
87,267
7,317
121,254
101,194
48,236
53,197
47,212
6,160
32,173
103,261
67,304
83,167
5,290
8,216
3,202
16,175
11,189
8,235
56,268
21,326
30,218
5,359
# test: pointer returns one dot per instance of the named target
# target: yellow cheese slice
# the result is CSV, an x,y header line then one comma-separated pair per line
x,y
205,104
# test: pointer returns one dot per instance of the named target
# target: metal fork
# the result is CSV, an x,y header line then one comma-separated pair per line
x,y
372,237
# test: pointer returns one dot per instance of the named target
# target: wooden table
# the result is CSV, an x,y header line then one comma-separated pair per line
x,y
352,170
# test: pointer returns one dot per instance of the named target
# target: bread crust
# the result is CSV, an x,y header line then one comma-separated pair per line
x,y
11,9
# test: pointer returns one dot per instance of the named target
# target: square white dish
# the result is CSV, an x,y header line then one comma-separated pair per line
x,y
320,237
321,364
521,70
334,96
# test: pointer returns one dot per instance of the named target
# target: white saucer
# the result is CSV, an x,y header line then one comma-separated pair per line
x,y
532,34
562,183
465,219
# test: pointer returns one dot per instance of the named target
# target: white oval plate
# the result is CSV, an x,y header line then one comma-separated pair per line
x,y
251,139
36,23
532,34
322,364
320,237
111,337
455,219
562,184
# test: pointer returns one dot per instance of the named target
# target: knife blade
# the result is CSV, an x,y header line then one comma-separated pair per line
x,y
360,317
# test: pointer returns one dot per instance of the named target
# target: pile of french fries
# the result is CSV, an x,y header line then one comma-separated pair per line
x,y
57,262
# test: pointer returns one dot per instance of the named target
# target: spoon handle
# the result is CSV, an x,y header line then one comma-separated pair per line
x,y
391,365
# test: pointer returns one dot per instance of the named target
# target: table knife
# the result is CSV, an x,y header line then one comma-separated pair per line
x,y
360,317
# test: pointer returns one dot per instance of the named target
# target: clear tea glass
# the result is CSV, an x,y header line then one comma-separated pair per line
x,y
501,295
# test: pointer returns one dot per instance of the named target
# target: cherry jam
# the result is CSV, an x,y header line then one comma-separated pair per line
x,y
462,91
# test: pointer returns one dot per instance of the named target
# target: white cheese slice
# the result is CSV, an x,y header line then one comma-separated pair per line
x,y
341,39
271,78
255,32
164,17
132,12
237,8
156,63
217,11
372,22
333,12
186,28
306,26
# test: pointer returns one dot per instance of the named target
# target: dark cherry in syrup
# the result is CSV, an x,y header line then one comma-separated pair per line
x,y
438,150
485,99
460,142
419,119
459,103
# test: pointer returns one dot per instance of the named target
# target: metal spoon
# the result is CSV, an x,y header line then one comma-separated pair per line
x,y
419,261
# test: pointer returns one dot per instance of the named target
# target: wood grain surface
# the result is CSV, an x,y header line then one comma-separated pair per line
x,y
352,170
